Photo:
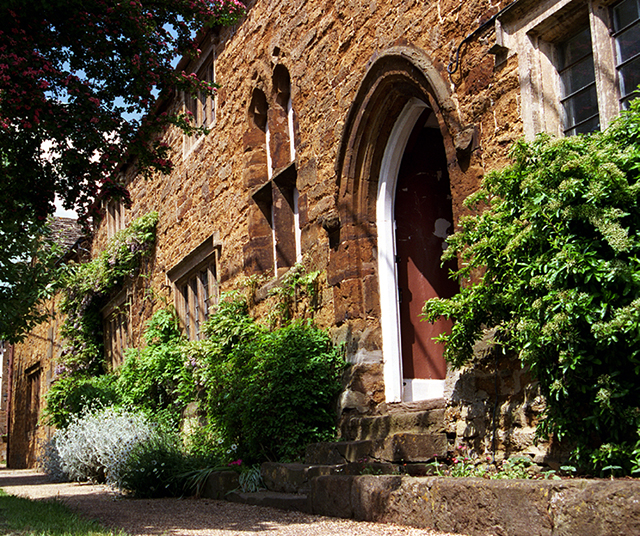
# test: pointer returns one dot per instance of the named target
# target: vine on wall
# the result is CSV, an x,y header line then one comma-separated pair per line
x,y
86,285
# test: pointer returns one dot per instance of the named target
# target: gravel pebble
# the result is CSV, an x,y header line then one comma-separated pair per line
x,y
189,516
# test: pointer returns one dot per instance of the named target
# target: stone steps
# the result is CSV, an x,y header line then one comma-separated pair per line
x,y
404,433
284,501
397,442
296,477
419,417
401,447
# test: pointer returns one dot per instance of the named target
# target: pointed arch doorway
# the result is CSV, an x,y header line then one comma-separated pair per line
x,y
414,217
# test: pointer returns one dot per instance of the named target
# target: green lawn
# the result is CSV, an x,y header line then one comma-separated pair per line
x,y
24,517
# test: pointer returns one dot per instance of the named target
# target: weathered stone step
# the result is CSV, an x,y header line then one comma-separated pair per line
x,y
296,477
339,452
293,477
428,418
219,483
284,501
478,506
401,447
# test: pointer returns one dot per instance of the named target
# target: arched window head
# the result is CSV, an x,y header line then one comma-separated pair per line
x,y
258,109
282,86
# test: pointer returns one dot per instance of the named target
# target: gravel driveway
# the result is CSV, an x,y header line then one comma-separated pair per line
x,y
189,516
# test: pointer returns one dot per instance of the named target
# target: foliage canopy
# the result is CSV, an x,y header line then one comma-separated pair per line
x,y
28,268
553,264
81,87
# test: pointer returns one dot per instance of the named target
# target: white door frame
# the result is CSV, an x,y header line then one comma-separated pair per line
x,y
397,388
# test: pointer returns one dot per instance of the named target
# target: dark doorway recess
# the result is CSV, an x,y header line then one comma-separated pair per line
x,y
423,220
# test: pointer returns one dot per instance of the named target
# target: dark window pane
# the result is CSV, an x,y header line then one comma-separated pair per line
x,y
629,78
575,48
578,76
628,43
580,107
204,280
585,128
625,13
196,305
187,312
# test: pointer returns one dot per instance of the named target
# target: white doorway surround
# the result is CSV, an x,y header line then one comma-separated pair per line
x,y
397,388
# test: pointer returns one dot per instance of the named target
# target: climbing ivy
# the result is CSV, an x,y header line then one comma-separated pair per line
x,y
85,285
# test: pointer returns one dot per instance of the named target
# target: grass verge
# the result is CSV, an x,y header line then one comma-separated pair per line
x,y
24,517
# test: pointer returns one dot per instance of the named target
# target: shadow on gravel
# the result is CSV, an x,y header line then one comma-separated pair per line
x,y
152,516
10,478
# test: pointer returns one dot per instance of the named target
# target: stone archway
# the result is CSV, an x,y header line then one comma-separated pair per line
x,y
399,86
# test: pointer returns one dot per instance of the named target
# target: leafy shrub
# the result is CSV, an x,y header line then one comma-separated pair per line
x,y
269,392
262,395
50,462
153,468
70,395
149,378
95,445
552,264
124,449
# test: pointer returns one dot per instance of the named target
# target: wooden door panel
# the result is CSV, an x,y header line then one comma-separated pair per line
x,y
423,220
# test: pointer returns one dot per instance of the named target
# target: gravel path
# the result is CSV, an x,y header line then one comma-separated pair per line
x,y
188,517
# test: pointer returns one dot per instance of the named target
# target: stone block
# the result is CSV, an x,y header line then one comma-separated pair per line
x,y
379,427
352,451
480,507
307,174
410,447
219,484
370,495
598,508
314,471
347,298
323,454
331,496
254,138
352,400
284,477
272,499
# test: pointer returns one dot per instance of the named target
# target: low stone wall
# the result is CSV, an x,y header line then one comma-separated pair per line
x,y
480,507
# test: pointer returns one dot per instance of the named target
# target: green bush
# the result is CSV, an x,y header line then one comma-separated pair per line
x,y
261,394
553,264
70,395
149,377
153,468
269,392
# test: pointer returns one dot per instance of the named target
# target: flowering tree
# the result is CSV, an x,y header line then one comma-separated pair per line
x,y
80,86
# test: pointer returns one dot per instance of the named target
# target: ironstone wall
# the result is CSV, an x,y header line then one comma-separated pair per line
x,y
340,57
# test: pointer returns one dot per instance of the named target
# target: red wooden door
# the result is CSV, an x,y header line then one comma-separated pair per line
x,y
423,220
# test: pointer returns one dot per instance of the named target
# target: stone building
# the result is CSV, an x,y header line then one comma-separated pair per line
x,y
6,355
345,137
32,366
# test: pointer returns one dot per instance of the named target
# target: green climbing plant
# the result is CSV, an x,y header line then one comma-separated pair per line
x,y
551,261
85,285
